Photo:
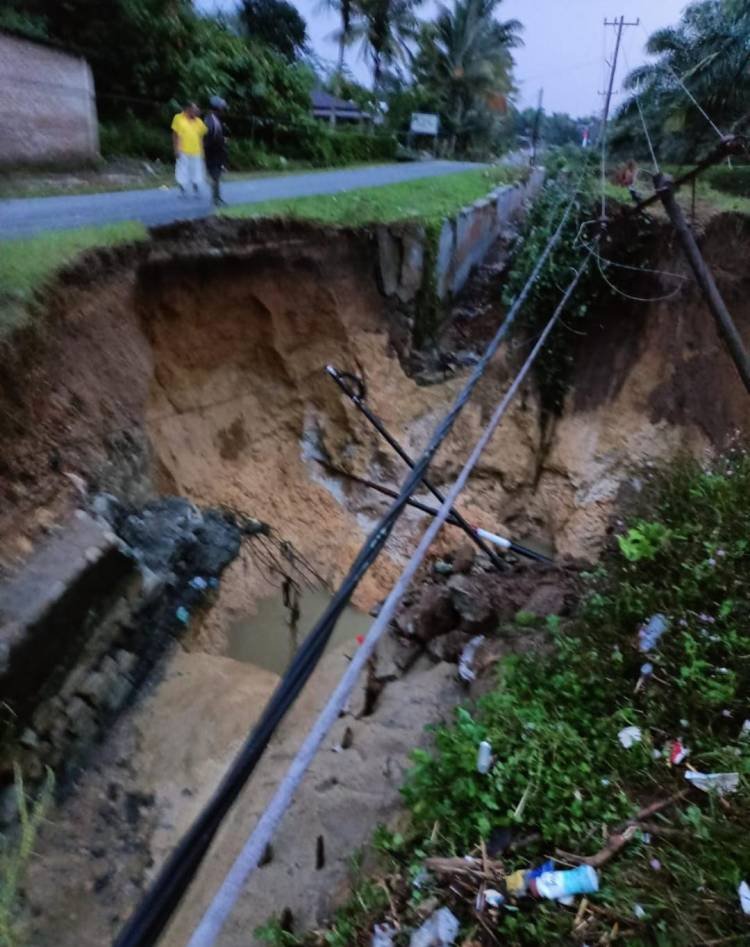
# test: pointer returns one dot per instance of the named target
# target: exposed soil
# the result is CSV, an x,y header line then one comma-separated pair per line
x,y
193,365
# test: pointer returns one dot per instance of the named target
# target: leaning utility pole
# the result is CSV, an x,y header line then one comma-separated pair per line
x,y
620,24
704,278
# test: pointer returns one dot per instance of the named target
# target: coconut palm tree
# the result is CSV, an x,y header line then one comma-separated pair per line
x,y
386,29
348,14
708,52
465,57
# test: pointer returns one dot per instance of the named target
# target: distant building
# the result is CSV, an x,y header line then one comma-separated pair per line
x,y
323,105
47,106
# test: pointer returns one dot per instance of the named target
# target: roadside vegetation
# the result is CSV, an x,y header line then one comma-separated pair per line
x,y
562,785
26,264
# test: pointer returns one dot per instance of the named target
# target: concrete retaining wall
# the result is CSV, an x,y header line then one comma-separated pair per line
x,y
463,244
466,240
48,107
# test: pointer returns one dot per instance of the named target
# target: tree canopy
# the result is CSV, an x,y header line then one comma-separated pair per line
x,y
707,52
277,24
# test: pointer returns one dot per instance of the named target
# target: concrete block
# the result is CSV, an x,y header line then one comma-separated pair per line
x,y
412,265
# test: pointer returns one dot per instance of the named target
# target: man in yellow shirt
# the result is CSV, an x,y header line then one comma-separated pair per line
x,y
187,137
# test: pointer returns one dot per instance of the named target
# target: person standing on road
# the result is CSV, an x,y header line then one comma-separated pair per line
x,y
187,137
215,146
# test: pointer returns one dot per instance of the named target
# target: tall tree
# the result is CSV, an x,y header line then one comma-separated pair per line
x,y
386,29
276,23
708,51
348,14
465,58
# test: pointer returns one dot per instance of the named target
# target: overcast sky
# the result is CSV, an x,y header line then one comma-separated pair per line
x,y
564,43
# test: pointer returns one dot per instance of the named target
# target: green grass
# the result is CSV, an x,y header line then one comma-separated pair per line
x,y
27,263
428,200
553,722
707,198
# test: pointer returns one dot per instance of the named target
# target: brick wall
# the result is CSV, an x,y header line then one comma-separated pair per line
x,y
47,105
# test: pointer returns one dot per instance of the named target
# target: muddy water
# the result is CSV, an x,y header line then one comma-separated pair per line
x,y
266,640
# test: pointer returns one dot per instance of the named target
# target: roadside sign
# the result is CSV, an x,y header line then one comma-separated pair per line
x,y
423,123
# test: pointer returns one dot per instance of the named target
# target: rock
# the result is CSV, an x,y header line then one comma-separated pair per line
x,y
464,558
119,691
546,599
431,616
441,567
94,688
439,930
448,647
29,739
81,720
125,660
472,603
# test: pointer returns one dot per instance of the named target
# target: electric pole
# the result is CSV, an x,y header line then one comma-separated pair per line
x,y
620,24
537,123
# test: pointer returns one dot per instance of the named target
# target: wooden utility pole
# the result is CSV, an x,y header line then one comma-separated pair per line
x,y
703,276
620,24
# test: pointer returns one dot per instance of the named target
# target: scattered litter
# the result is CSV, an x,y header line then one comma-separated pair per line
x,y
465,664
516,883
629,736
421,878
488,899
647,669
722,783
678,753
744,893
639,912
199,583
441,567
182,615
484,757
439,930
650,632
543,869
646,838
655,864
360,639
559,885
382,935
745,730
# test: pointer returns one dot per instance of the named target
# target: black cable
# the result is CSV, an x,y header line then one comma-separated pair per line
x,y
152,914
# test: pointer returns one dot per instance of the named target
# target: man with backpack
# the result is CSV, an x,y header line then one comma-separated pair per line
x,y
215,146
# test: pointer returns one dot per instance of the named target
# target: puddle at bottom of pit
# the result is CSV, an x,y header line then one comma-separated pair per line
x,y
266,640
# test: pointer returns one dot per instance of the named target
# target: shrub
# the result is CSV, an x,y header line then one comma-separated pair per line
x,y
132,138
735,180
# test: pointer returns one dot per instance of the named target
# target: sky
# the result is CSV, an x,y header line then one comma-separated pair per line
x,y
564,44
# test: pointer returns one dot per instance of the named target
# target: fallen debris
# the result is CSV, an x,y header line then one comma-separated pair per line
x,y
722,783
649,634
466,669
629,736
439,930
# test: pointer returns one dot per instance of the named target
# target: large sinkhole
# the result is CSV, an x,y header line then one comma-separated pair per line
x,y
193,367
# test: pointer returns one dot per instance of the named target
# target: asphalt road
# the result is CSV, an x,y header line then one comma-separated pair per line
x,y
21,217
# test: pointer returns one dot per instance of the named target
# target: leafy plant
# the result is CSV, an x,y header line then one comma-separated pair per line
x,y
643,541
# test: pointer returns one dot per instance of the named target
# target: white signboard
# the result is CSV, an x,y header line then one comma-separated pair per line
x,y
423,123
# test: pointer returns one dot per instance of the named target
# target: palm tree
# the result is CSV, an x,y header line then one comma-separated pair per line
x,y
465,57
348,13
386,29
708,52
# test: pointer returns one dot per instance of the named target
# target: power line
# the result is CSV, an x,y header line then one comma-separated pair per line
x,y
234,882
151,915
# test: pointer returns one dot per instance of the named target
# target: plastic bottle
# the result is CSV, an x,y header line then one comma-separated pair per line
x,y
562,884
484,757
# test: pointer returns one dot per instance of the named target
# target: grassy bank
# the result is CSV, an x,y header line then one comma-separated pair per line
x,y
427,200
563,785
27,263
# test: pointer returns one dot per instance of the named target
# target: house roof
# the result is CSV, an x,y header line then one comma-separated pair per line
x,y
323,104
